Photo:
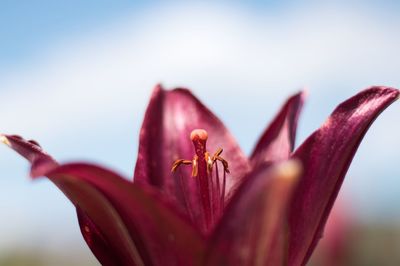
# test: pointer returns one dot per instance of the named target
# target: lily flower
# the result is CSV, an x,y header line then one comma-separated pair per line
x,y
216,206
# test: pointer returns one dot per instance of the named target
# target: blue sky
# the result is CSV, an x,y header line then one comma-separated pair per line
x,y
76,76
29,27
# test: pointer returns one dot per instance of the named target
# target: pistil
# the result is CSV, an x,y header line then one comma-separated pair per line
x,y
210,188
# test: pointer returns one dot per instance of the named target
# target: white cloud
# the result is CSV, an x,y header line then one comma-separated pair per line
x,y
216,51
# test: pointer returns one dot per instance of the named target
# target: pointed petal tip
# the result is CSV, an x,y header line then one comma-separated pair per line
x,y
389,90
159,87
4,139
182,90
303,93
41,162
326,157
278,139
397,93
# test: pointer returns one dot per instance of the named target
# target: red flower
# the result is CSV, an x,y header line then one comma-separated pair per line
x,y
223,209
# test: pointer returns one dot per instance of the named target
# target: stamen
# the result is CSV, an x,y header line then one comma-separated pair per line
x,y
224,163
195,168
211,195
217,180
178,162
218,190
210,162
210,189
184,193
223,191
218,152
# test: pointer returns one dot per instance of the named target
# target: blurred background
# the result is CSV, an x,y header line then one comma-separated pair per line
x,y
76,76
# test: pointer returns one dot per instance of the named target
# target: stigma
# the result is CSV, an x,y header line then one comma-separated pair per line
x,y
199,134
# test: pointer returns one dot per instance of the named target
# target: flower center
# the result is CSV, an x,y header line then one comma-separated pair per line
x,y
210,183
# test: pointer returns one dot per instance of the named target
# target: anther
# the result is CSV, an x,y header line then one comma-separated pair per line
x,y
178,162
195,166
209,161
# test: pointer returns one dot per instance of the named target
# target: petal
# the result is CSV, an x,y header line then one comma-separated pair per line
x,y
253,229
96,240
277,141
109,240
121,222
326,155
101,225
32,151
161,236
165,137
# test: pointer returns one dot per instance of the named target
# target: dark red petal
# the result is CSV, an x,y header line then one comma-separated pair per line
x,y
109,240
277,141
165,137
161,236
96,240
138,227
101,225
326,155
31,151
253,230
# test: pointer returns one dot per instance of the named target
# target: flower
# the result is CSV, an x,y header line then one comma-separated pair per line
x,y
214,208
